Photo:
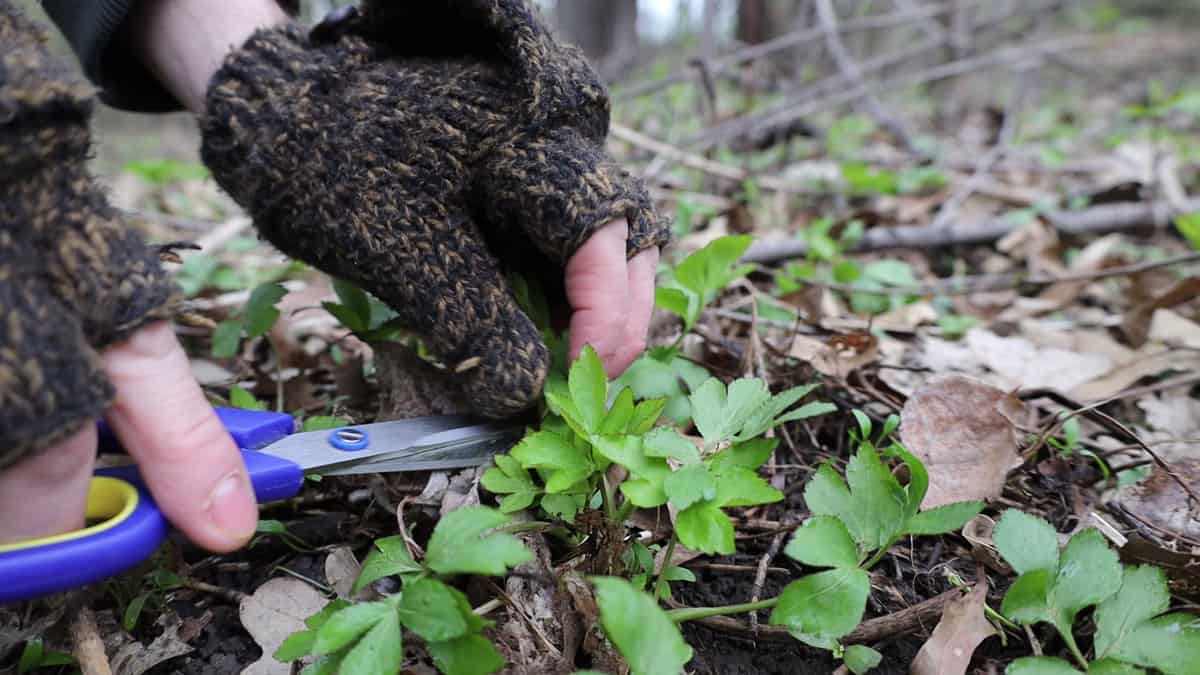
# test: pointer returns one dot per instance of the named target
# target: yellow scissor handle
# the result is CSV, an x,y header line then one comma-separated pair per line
x,y
110,501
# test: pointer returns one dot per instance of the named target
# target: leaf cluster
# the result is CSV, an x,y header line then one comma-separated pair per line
x,y
367,637
1134,629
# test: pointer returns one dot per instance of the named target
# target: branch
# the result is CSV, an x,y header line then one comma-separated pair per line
x,y
1096,220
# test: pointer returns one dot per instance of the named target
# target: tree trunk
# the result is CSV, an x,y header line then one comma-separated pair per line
x,y
603,29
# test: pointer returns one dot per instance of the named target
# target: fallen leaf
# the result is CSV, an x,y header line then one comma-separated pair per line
x,y
277,609
341,570
135,658
1137,322
840,356
1161,501
961,630
1013,362
963,430
1170,328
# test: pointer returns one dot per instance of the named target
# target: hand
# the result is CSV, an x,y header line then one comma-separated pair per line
x,y
612,300
188,460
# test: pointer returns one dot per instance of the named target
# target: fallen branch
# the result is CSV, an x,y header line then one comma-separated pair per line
x,y
907,620
1096,220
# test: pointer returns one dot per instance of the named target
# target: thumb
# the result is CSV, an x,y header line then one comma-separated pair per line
x,y
187,458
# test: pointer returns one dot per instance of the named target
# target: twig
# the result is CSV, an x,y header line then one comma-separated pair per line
x,y
760,575
87,645
793,39
223,233
892,625
230,595
1096,220
827,18
1000,282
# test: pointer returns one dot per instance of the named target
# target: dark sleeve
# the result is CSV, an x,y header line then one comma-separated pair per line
x,y
91,28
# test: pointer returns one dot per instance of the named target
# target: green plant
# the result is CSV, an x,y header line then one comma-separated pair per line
x,y
699,278
362,314
1133,629
34,655
255,319
164,171
367,637
1189,226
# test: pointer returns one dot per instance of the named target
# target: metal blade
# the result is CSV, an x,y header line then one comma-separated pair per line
x,y
455,449
317,452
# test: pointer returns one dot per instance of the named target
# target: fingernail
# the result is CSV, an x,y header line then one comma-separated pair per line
x,y
232,508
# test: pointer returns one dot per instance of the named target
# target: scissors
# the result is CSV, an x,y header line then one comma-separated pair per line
x,y
129,526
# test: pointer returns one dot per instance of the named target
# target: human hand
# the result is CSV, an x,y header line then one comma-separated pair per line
x,y
364,154
188,460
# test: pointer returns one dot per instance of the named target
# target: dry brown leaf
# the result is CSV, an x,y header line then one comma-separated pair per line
x,y
274,611
1012,362
840,356
135,658
1136,325
1161,501
963,430
962,628
1170,328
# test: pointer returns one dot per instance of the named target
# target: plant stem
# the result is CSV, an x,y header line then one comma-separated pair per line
x,y
624,512
693,613
529,526
610,499
666,565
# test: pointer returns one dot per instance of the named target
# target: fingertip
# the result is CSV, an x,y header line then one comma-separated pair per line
x,y
183,451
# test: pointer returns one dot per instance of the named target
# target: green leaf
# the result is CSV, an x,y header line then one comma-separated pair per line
x,y
295,646
379,651
680,302
260,311
749,454
861,659
1027,601
459,544
133,611
1111,667
689,485
945,518
429,609
1189,226
667,443
356,301
1170,643
1143,595
705,527
1040,665
708,270
324,665
643,633
918,477
720,414
548,451
823,606
619,415
826,494
509,478
1088,572
350,624
588,385
346,317
324,423
467,655
738,486
240,398
646,414
879,501
823,541
226,338
563,507
388,557
1026,542
317,620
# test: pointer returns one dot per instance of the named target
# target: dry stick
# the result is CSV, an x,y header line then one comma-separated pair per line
x,y
827,18
87,646
760,575
797,38
802,102
904,621
1096,220
949,209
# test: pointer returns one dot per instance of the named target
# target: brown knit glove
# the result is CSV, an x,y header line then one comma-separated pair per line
x,y
73,278
403,147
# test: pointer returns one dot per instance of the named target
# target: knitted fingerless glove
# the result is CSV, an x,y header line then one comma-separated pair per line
x,y
390,148
73,278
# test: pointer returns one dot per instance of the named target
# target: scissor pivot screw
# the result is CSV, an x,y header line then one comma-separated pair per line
x,y
349,438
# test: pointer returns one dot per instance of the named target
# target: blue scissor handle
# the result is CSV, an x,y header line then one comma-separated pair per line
x,y
133,527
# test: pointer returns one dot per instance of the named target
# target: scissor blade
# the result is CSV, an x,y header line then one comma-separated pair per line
x,y
455,449
315,451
